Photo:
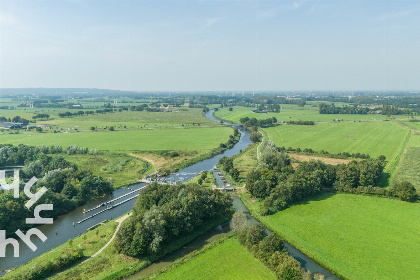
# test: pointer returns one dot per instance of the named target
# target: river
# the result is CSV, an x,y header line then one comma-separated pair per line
x,y
62,230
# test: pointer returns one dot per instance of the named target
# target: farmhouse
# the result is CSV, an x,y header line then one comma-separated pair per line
x,y
10,125
260,111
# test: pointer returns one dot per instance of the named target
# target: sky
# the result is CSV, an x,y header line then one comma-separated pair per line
x,y
217,45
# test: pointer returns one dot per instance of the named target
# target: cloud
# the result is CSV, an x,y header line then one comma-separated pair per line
x,y
397,14
7,20
274,12
212,21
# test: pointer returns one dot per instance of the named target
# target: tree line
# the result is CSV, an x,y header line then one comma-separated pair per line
x,y
163,214
269,249
301,122
276,183
68,187
17,119
331,109
253,122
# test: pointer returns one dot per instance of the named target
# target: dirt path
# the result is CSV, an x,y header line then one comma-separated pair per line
x,y
119,221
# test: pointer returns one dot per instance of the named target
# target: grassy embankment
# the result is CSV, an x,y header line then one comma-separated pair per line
x,y
357,237
107,265
207,183
222,259
120,167
110,265
89,242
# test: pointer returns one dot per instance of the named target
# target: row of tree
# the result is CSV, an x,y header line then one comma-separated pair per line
x,y
163,213
331,109
279,185
343,155
251,122
17,119
227,165
301,122
270,250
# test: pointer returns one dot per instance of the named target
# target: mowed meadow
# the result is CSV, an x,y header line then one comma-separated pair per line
x,y
374,138
357,236
291,112
129,140
229,260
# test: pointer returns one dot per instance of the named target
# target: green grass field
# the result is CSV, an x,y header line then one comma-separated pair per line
x,y
415,125
129,140
246,162
359,237
123,169
128,119
292,113
409,168
229,260
373,138
207,183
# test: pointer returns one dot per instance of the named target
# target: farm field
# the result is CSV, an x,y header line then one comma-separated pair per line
x,y
125,119
380,238
228,260
293,113
129,140
373,138
122,168
409,168
415,125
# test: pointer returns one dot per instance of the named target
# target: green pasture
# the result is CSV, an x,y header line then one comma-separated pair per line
x,y
229,260
293,113
415,125
124,119
409,168
373,138
121,168
207,183
132,140
246,161
359,237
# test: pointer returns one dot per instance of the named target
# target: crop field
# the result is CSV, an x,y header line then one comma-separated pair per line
x,y
409,168
360,237
373,138
229,260
129,140
122,168
293,113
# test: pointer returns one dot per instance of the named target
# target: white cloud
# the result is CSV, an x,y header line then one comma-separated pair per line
x,y
7,20
212,21
397,14
274,12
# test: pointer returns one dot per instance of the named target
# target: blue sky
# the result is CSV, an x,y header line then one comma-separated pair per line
x,y
211,45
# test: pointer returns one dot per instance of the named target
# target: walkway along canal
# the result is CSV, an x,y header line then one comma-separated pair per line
x,y
65,230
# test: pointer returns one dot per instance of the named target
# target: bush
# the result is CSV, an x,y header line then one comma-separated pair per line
x,y
404,190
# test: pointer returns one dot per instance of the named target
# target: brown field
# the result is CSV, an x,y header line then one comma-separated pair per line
x,y
301,158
